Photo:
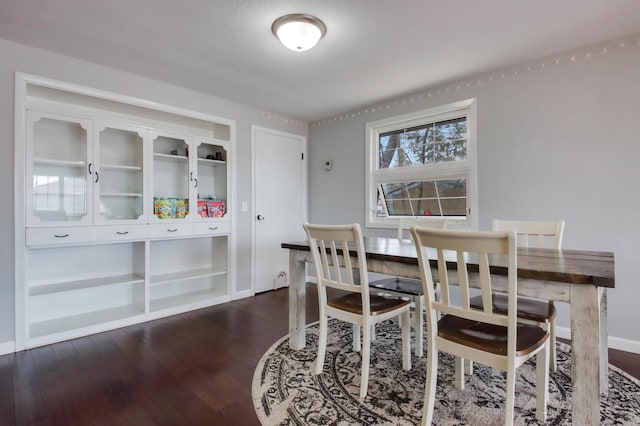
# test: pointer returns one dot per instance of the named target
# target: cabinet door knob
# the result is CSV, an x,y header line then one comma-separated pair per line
x,y
260,217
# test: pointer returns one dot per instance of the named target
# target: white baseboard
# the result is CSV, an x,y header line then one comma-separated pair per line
x,y
7,348
624,344
242,294
563,332
613,342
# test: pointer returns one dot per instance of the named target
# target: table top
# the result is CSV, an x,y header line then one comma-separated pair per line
x,y
569,266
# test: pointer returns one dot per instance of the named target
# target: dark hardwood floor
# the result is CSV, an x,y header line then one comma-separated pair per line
x,y
189,369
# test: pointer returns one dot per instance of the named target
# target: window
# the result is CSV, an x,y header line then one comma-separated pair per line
x,y
423,164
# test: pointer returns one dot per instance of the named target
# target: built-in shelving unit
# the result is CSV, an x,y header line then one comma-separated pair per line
x,y
102,179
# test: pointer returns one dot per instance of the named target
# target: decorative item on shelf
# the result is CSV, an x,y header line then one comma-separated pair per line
x,y
210,207
210,157
218,156
170,208
174,152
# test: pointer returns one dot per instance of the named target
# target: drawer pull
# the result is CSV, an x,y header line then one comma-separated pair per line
x,y
172,230
213,229
122,233
61,236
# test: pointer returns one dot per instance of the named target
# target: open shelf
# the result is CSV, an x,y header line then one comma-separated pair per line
x,y
62,163
185,275
39,290
121,168
120,194
213,162
204,297
170,157
73,322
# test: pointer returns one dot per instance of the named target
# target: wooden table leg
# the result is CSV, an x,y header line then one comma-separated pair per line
x,y
297,296
585,354
604,343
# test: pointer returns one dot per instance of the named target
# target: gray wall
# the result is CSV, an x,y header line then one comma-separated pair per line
x,y
556,142
16,57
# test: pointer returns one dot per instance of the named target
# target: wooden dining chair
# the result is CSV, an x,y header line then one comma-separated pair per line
x,y
409,287
488,337
343,296
538,234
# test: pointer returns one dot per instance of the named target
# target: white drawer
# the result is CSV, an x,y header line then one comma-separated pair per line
x,y
124,232
171,230
60,235
212,228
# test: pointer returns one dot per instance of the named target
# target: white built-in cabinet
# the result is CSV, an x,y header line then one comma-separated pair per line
x,y
126,215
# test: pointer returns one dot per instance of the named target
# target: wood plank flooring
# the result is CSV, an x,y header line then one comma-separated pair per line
x,y
189,369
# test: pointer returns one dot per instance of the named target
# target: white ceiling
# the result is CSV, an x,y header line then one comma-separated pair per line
x,y
374,49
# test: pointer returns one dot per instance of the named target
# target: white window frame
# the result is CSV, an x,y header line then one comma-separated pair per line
x,y
466,169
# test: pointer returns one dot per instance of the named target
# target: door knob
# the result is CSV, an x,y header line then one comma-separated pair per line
x,y
260,217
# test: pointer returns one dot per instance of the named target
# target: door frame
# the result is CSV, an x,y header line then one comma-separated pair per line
x,y
305,205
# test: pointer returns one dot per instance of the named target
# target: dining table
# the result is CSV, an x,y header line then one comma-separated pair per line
x,y
577,277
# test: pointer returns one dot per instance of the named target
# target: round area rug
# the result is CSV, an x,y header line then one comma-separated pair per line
x,y
287,392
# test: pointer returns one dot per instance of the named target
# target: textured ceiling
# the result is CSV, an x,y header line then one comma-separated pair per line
x,y
373,50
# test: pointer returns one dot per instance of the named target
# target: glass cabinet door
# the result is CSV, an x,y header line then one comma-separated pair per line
x,y
58,153
211,166
172,177
119,175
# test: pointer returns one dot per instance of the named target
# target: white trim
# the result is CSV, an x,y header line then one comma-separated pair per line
x,y
19,285
7,348
242,294
252,210
618,343
235,206
117,97
469,167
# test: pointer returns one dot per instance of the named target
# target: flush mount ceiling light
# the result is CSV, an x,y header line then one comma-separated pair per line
x,y
298,32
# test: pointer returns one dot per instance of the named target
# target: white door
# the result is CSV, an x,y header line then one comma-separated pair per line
x,y
279,193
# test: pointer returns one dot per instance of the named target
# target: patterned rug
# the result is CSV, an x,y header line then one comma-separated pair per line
x,y
286,392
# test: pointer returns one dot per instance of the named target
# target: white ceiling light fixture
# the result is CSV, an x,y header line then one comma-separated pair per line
x,y
298,32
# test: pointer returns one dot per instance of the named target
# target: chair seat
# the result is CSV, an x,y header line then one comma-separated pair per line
x,y
530,309
399,285
352,302
489,337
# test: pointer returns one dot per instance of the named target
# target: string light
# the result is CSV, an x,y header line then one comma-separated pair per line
x,y
458,86
284,119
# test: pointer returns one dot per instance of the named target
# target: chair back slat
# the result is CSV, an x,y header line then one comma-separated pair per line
x,y
485,283
433,243
336,264
331,246
463,277
347,263
538,234
326,270
443,276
